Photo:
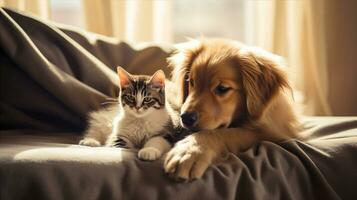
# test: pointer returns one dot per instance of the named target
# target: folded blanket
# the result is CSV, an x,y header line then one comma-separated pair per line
x,y
52,76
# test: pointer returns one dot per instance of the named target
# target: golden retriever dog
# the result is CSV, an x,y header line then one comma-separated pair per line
x,y
232,95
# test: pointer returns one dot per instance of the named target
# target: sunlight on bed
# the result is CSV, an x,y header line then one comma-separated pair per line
x,y
75,153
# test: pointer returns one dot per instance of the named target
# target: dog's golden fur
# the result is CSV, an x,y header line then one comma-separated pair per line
x,y
241,94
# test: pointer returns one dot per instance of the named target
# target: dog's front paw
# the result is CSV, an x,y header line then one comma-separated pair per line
x,y
189,158
149,153
89,142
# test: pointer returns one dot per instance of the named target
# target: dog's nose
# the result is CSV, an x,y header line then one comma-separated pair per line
x,y
189,118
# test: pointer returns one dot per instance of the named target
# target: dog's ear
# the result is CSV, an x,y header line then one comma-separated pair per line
x,y
262,78
180,62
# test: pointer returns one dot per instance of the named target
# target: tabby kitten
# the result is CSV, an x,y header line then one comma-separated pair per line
x,y
142,119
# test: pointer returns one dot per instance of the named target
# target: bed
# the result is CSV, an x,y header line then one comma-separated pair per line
x,y
52,76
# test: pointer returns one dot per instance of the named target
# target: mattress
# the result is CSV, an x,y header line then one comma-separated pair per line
x,y
53,166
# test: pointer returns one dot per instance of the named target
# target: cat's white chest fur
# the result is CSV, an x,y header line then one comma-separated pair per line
x,y
139,128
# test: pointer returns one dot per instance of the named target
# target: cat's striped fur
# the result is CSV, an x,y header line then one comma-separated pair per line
x,y
144,118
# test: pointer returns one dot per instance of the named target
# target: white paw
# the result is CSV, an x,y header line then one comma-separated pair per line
x,y
89,142
189,158
149,153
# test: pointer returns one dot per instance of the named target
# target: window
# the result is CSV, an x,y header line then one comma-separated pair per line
x,y
67,12
211,18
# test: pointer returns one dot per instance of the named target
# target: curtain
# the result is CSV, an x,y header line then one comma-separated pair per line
x,y
312,54
40,8
295,30
316,37
130,20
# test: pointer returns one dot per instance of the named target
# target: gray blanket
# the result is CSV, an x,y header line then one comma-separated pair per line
x,y
52,76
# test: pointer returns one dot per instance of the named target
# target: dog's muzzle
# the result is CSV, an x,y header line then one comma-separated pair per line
x,y
189,119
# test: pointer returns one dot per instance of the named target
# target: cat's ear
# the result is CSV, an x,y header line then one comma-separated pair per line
x,y
124,77
158,79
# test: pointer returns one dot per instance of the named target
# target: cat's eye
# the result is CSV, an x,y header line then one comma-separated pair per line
x,y
130,98
221,89
147,99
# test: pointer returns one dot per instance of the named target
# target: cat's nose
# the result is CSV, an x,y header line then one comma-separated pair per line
x,y
189,118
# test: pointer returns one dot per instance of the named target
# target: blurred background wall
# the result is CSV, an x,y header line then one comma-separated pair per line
x,y
318,38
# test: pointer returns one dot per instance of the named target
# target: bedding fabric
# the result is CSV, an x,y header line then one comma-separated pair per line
x,y
52,76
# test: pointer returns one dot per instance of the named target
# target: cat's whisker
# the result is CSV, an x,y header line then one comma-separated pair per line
x,y
111,99
109,102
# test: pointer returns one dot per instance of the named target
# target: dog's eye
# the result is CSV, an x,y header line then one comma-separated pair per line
x,y
192,83
220,89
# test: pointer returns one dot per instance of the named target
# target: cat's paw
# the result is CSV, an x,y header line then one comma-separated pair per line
x,y
89,142
149,153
